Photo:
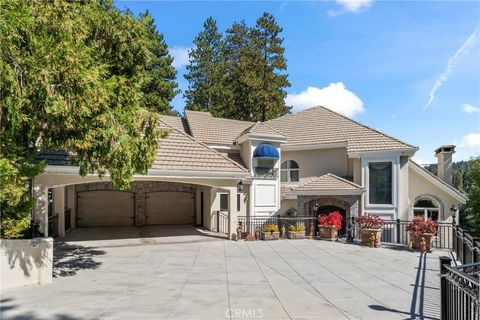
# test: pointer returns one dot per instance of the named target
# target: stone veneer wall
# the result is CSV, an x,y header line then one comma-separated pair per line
x,y
140,188
349,203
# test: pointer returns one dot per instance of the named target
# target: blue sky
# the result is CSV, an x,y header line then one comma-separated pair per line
x,y
379,62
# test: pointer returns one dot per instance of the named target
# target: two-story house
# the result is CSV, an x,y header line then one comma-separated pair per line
x,y
307,163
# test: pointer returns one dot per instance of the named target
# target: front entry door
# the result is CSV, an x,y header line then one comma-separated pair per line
x,y
325,210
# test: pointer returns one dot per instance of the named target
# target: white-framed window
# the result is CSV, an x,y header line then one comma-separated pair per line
x,y
290,171
427,207
380,183
223,201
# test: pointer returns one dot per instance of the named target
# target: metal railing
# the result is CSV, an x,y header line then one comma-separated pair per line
x,y
250,224
265,173
465,246
459,291
396,232
68,219
53,226
220,222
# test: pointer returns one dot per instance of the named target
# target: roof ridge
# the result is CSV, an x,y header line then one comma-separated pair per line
x,y
273,129
204,145
438,179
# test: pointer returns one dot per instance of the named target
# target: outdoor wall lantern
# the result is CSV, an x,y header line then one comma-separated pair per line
x,y
240,186
453,209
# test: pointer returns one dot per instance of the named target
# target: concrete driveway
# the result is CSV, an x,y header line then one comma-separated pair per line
x,y
285,279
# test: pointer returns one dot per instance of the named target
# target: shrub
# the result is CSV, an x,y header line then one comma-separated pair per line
x,y
419,226
15,228
292,228
270,227
370,222
332,219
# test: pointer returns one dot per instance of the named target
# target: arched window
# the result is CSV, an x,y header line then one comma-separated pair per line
x,y
290,171
426,207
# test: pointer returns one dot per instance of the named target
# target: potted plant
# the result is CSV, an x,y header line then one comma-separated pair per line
x,y
329,225
296,232
270,232
421,233
370,230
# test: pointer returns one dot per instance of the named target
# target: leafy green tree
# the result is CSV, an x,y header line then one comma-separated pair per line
x,y
207,72
81,77
472,207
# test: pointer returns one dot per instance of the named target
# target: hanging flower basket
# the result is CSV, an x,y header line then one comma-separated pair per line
x,y
329,225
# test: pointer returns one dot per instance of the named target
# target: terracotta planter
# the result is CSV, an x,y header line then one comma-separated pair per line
x,y
296,234
371,237
422,243
270,235
328,232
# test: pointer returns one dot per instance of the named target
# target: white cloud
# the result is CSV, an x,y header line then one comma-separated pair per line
x,y
180,56
453,62
350,6
335,97
468,108
471,140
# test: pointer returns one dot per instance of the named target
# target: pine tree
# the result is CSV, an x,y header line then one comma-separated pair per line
x,y
265,37
207,72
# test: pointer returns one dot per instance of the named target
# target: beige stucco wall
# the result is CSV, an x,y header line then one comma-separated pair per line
x,y
419,186
314,163
26,262
287,204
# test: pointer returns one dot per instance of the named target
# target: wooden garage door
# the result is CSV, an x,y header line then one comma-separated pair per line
x,y
105,208
170,207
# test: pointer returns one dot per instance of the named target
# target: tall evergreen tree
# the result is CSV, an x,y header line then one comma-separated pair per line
x,y
207,72
271,95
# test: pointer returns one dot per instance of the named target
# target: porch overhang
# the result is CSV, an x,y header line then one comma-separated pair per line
x,y
333,192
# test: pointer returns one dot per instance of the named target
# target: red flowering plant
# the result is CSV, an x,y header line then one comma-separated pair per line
x,y
419,226
370,222
332,219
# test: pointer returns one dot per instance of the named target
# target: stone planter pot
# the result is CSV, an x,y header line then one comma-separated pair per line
x,y
328,232
296,234
371,237
270,235
421,243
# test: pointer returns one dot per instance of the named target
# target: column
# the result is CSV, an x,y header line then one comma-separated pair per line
x,y
40,209
232,212
59,208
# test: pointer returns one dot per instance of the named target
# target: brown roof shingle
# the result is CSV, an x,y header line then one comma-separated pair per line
x,y
179,151
208,129
328,182
322,125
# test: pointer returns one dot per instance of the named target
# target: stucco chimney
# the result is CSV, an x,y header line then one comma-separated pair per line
x,y
444,167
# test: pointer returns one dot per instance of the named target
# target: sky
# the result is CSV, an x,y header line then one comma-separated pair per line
x,y
410,69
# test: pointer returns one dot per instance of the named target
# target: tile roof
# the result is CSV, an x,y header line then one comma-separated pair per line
x,y
261,128
208,129
328,182
179,151
322,125
175,122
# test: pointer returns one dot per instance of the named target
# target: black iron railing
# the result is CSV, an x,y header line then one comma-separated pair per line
x,y
68,219
53,226
250,224
220,221
265,173
459,291
465,246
